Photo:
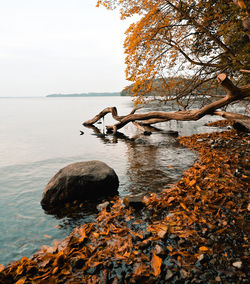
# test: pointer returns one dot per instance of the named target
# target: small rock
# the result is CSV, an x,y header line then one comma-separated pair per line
x,y
201,257
184,273
169,274
159,250
171,132
101,206
133,201
147,133
173,236
140,141
217,279
237,264
212,261
237,173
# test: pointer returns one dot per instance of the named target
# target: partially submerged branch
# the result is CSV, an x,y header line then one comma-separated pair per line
x,y
107,110
239,121
234,93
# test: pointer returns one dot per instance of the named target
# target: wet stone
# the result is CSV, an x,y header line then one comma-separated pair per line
x,y
103,205
134,201
80,181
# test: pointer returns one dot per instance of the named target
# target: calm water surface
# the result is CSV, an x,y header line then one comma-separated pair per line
x,y
39,136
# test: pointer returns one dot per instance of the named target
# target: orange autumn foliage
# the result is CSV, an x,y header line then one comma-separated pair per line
x,y
182,38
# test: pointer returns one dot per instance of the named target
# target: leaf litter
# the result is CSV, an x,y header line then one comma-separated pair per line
x,y
196,231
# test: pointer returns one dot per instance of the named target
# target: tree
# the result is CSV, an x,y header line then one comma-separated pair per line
x,y
202,38
196,40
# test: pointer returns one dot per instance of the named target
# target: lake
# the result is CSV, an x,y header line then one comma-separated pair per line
x,y
39,136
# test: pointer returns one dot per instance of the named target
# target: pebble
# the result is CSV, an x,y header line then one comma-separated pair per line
x,y
217,279
133,201
184,273
201,257
237,264
169,274
159,250
101,206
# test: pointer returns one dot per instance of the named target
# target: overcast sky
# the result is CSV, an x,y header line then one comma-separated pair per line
x,y
59,46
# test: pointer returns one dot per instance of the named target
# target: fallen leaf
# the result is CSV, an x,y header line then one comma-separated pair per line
x,y
21,281
1,267
156,262
19,270
170,199
203,249
192,182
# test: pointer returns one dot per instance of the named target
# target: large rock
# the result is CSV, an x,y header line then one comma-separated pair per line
x,y
80,181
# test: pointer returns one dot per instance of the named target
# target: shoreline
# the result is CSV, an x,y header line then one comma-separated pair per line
x,y
189,241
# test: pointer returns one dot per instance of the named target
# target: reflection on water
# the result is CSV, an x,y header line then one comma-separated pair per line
x,y
153,161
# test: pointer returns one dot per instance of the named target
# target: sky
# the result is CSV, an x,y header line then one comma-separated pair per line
x,y
60,46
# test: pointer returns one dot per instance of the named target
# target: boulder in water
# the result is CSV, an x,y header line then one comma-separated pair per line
x,y
80,181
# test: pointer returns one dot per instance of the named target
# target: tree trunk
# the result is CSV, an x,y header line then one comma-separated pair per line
x,y
234,93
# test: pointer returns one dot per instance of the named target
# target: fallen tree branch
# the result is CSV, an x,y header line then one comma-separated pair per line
x,y
234,93
107,110
231,115
239,121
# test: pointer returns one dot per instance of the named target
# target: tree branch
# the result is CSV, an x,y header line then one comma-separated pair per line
x,y
233,94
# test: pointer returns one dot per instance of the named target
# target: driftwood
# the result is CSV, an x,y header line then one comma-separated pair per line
x,y
234,93
239,122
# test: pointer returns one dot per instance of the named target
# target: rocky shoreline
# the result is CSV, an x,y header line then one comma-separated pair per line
x,y
195,231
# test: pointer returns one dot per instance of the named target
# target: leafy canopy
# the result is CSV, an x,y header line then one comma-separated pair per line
x,y
195,39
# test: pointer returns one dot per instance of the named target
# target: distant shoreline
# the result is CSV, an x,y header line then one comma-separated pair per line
x,y
67,96
115,94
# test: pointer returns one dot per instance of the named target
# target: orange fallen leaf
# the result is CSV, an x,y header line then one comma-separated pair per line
x,y
198,188
156,262
184,206
170,248
19,270
170,199
21,281
96,235
1,267
55,270
65,271
192,182
203,249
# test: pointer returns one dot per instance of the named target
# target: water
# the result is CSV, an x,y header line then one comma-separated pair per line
x,y
39,136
